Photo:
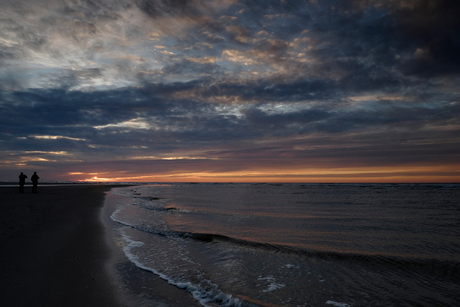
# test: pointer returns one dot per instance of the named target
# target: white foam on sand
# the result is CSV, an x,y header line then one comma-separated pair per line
x,y
272,286
204,297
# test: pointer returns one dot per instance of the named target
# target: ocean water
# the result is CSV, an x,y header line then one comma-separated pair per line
x,y
295,244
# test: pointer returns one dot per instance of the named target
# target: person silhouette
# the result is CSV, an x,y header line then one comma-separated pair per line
x,y
34,179
22,181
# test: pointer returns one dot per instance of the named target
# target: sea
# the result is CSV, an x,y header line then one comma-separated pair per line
x,y
294,244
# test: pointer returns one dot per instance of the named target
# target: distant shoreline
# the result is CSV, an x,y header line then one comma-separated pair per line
x,y
119,184
114,184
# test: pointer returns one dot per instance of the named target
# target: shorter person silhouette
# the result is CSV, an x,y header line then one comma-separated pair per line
x,y
34,179
22,181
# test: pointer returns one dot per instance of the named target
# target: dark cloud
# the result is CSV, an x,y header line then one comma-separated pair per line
x,y
158,8
191,67
264,91
416,37
46,110
7,54
428,31
432,28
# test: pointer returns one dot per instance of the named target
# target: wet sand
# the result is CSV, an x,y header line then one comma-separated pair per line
x,y
54,252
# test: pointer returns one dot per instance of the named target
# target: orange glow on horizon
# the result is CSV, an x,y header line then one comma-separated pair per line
x,y
343,175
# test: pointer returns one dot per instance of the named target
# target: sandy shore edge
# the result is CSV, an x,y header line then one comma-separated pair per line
x,y
135,286
55,250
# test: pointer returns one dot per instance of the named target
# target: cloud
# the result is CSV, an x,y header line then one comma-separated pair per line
x,y
157,8
422,35
435,26
229,85
193,68
157,108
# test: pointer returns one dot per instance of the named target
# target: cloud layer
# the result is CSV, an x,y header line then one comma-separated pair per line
x,y
162,90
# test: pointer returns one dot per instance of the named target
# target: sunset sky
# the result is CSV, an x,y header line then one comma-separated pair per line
x,y
230,90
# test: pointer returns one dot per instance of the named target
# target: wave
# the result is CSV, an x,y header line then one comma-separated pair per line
x,y
434,266
438,266
203,296
152,206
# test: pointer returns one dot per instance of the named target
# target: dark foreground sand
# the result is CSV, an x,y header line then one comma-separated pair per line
x,y
53,251
52,247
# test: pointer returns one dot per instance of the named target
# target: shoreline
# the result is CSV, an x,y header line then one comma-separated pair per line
x,y
56,250
136,286
53,250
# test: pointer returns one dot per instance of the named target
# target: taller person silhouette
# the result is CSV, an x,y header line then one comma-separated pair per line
x,y
34,179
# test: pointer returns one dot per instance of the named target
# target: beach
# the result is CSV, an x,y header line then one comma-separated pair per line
x,y
53,250
230,245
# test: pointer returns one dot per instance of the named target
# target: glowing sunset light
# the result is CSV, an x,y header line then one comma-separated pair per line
x,y
55,137
97,179
308,176
230,91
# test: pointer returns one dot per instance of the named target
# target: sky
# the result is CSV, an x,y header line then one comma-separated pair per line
x,y
230,90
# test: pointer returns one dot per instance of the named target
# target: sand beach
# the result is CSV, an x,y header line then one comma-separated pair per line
x,y
53,251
